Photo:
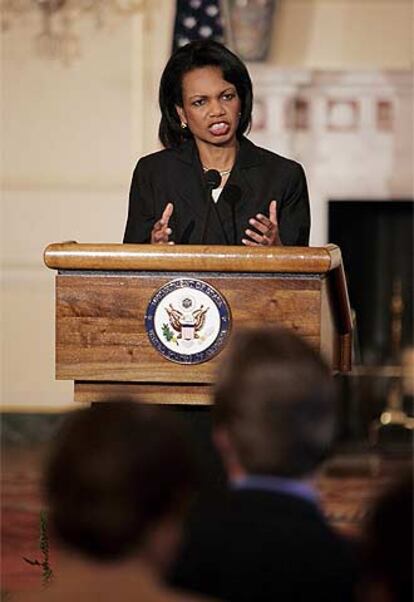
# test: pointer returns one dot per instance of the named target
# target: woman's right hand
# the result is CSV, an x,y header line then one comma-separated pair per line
x,y
161,231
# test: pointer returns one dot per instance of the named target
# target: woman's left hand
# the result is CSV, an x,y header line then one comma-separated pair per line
x,y
266,231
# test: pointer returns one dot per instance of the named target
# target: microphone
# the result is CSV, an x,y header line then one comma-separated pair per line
x,y
212,179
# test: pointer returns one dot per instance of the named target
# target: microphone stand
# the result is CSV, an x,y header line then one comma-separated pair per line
x,y
212,179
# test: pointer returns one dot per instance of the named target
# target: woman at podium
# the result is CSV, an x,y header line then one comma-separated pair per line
x,y
210,184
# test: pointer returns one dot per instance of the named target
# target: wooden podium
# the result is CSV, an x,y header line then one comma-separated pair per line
x,y
103,293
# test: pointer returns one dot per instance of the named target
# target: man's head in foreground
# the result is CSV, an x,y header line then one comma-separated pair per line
x,y
118,483
274,411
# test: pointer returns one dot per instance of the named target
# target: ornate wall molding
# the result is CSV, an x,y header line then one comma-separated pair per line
x,y
352,131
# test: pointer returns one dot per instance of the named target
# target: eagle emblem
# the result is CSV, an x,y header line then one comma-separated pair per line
x,y
187,321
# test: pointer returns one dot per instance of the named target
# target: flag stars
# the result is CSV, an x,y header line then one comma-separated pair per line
x,y
205,31
197,19
212,10
182,41
189,22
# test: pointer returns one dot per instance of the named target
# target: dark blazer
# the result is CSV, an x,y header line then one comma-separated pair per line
x,y
258,177
259,546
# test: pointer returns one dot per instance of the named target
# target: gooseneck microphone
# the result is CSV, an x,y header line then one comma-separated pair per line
x,y
212,180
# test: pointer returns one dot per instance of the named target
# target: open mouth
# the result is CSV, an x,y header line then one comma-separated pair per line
x,y
219,129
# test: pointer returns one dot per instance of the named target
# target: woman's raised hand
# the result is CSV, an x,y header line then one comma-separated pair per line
x,y
161,231
266,231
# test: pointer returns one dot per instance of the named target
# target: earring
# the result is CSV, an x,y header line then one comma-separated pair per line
x,y
183,125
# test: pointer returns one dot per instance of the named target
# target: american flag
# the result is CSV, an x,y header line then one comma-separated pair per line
x,y
197,19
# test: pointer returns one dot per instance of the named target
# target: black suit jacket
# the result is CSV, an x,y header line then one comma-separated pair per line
x,y
259,546
258,177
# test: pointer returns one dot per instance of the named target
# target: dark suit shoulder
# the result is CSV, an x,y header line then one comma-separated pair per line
x,y
157,158
252,155
280,161
250,510
265,546
167,156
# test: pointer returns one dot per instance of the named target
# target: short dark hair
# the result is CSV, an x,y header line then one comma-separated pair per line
x,y
201,53
276,398
114,471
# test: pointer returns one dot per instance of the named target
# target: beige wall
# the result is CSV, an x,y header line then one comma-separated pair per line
x,y
71,136
343,34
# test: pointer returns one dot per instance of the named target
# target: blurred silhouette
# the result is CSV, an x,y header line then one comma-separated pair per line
x,y
118,483
388,545
274,424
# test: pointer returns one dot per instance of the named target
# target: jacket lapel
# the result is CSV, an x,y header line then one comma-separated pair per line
x,y
224,225
239,191
193,196
191,190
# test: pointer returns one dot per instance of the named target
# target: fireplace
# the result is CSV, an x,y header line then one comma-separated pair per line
x,y
376,239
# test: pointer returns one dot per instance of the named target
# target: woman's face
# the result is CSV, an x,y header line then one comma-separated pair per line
x,y
211,106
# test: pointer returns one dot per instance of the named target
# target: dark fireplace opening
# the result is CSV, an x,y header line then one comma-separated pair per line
x,y
376,240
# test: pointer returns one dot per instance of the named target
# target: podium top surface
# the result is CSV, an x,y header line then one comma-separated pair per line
x,y
199,258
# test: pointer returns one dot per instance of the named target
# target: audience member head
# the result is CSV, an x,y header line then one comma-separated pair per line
x,y
118,482
196,55
388,546
274,409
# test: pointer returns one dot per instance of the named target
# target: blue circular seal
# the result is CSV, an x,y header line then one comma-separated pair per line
x,y
187,321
